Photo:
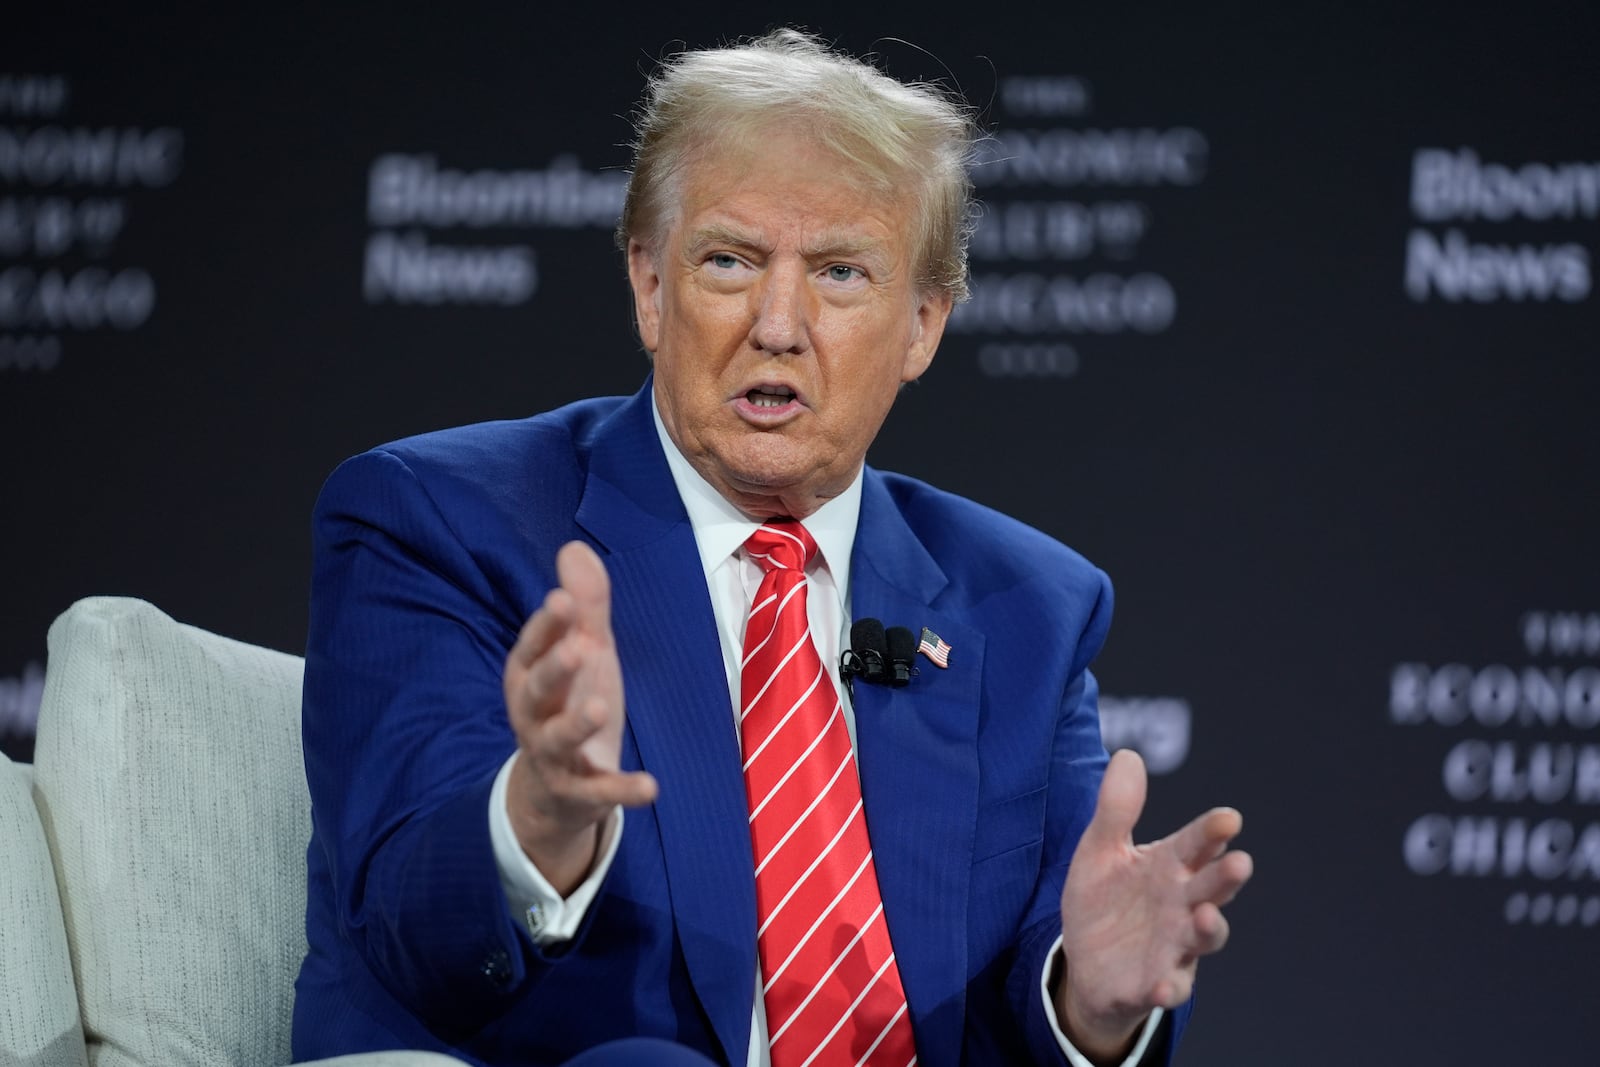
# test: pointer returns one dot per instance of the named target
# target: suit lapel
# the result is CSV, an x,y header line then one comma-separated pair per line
x,y
679,712
916,745
917,749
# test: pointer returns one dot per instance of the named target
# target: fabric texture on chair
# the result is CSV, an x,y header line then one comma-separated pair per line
x,y
170,784
39,1006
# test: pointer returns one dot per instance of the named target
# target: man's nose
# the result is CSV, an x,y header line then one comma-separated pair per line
x,y
783,310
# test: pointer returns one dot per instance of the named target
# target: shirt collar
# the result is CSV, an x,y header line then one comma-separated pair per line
x,y
720,528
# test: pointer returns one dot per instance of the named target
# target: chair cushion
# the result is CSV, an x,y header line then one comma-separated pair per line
x,y
39,1008
169,782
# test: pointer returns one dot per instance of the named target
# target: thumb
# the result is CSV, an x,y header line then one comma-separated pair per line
x,y
1122,793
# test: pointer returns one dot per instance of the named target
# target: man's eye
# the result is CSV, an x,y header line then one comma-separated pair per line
x,y
839,272
724,260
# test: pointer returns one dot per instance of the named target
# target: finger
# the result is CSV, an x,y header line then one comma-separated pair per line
x,y
631,789
1171,992
584,577
1121,801
1210,931
1220,880
583,797
1203,839
543,629
545,686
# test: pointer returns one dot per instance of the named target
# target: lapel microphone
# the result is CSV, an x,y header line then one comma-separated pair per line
x,y
902,647
868,654
876,655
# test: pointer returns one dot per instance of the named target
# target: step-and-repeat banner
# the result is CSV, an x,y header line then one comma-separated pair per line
x,y
1284,315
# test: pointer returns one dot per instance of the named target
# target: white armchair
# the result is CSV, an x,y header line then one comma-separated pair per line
x,y
152,858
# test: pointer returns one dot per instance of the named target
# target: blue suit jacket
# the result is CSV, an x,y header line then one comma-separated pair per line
x,y
977,780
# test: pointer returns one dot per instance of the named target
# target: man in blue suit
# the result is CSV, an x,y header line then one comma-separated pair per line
x,y
520,629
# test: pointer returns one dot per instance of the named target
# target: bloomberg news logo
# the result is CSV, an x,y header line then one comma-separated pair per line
x,y
1478,202
441,233
1519,769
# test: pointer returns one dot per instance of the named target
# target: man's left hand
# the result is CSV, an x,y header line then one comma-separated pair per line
x,y
1135,919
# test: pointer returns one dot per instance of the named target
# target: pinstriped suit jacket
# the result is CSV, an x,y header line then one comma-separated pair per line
x,y
977,780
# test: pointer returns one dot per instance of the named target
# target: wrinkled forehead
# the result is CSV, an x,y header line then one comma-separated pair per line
x,y
724,155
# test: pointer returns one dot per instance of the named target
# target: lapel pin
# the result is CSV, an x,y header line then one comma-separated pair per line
x,y
934,647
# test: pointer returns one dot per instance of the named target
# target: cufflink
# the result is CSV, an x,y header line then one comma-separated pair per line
x,y
496,969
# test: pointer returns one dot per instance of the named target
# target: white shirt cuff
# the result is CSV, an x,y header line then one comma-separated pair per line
x,y
1075,1057
550,918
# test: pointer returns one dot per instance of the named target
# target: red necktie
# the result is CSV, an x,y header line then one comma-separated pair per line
x,y
832,988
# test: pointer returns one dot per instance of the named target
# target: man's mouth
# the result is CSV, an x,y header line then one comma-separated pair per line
x,y
769,396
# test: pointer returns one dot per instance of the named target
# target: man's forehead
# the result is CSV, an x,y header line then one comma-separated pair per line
x,y
743,187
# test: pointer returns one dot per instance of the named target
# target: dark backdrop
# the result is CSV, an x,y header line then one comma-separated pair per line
x,y
1284,316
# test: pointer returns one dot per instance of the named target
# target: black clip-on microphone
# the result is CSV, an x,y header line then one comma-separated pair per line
x,y
902,653
866,657
882,657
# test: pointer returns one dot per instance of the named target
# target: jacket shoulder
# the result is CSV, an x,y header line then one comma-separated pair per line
x,y
480,450
508,458
490,483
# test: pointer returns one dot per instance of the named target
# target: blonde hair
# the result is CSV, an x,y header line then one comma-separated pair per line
x,y
894,134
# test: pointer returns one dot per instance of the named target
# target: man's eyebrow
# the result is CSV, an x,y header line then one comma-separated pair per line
x,y
716,233
845,246
825,247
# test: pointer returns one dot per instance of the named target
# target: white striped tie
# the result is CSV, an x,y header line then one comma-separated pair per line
x,y
832,989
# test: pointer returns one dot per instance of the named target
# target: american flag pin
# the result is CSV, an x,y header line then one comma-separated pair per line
x,y
934,647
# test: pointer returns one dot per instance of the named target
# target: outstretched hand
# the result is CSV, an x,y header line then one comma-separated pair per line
x,y
1135,919
563,690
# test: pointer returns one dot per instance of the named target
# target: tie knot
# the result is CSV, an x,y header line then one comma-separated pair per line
x,y
781,545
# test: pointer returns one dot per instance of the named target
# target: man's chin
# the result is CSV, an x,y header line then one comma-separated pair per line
x,y
765,462
762,490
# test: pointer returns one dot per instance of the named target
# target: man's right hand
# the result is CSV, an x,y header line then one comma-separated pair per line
x,y
563,688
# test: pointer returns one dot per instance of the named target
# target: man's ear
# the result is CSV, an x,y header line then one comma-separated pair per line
x,y
932,312
646,282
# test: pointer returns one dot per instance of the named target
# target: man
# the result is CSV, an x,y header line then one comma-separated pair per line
x,y
520,629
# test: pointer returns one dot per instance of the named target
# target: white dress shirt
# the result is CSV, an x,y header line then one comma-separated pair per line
x,y
720,531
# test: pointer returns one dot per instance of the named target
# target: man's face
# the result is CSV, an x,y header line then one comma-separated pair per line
x,y
782,315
